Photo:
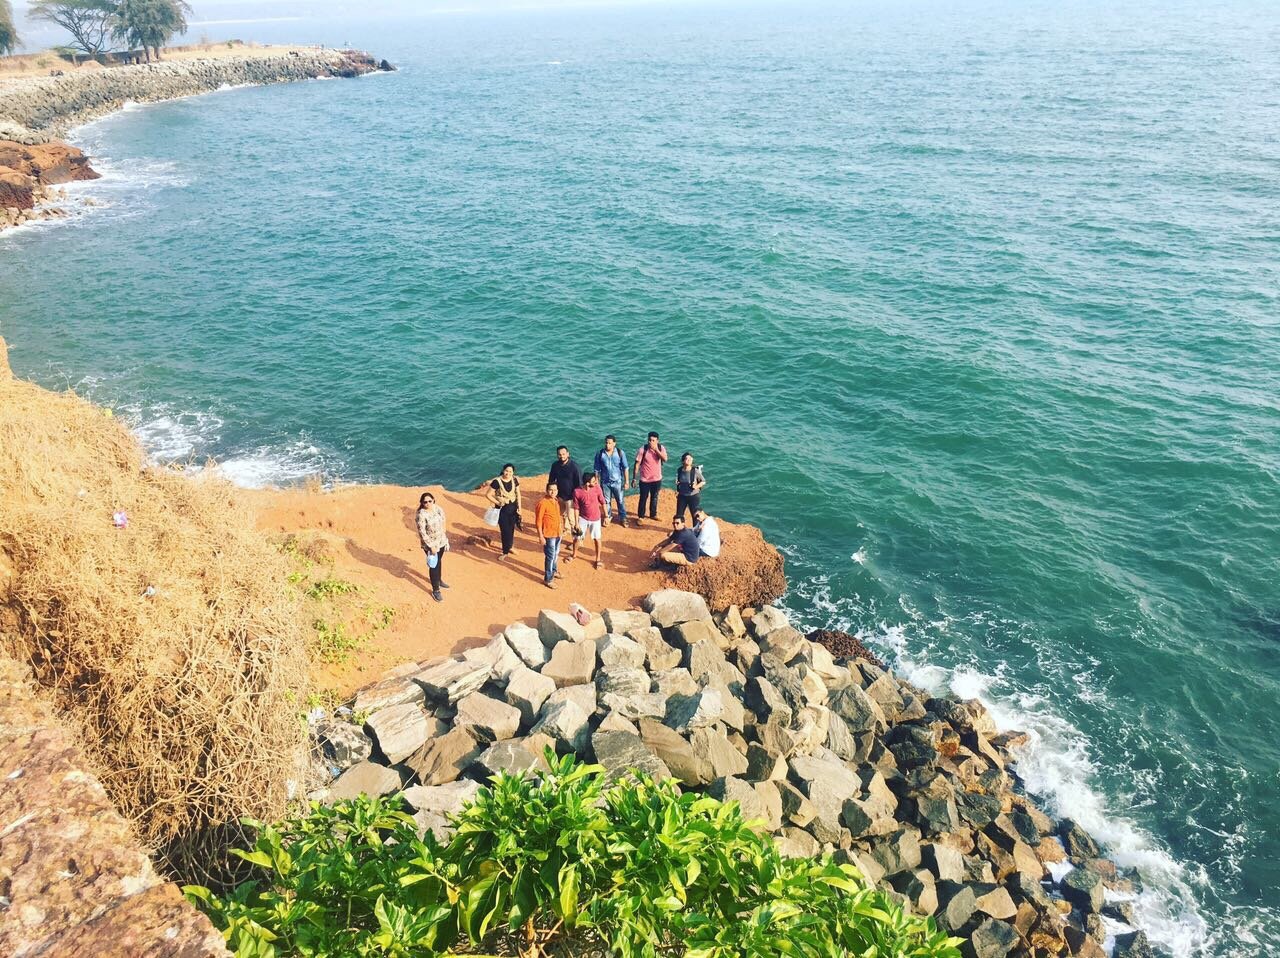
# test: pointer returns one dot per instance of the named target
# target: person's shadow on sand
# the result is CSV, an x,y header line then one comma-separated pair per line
x,y
393,564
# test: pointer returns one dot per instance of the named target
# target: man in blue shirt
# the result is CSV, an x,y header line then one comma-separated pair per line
x,y
611,467
684,541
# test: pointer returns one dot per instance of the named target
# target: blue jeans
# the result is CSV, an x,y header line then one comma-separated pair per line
x,y
612,492
550,555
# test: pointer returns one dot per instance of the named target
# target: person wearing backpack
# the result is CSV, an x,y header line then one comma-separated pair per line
x,y
611,467
648,475
689,483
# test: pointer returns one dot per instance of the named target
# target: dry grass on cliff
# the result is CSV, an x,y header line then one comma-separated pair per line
x,y
188,696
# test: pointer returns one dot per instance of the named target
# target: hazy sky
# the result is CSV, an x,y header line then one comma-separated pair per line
x,y
221,18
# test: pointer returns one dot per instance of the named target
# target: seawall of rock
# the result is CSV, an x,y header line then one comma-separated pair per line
x,y
74,880
36,109
830,752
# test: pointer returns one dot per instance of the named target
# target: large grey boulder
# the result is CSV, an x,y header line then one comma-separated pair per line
x,y
566,723
396,689
527,691
857,708
659,655
635,707
674,682
340,743
556,627
700,710
669,607
527,643
785,643
898,851
491,719
496,654
812,773
512,757
733,715
452,679
445,757
733,789
613,722
957,904
716,755
796,843
796,807
946,863
687,634
994,901
616,650
768,619
674,751
1133,945
400,730
991,939
1083,888
441,799
626,621
365,778
767,702
624,752
571,663
622,680
584,696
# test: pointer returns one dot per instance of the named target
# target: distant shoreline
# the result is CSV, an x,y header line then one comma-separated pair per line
x,y
37,111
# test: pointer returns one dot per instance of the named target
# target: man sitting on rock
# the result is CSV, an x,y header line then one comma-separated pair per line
x,y
685,540
708,532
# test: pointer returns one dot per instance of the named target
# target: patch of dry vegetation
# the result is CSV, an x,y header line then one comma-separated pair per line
x,y
177,642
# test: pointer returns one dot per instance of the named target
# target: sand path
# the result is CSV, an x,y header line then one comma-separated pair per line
x,y
375,544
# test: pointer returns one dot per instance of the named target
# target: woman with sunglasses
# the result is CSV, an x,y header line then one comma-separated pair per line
x,y
435,543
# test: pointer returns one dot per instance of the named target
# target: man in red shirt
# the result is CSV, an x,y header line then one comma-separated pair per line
x,y
588,501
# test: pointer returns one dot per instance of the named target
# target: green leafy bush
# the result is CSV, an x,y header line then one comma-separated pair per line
x,y
538,863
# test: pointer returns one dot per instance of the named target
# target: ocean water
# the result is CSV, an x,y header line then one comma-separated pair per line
x,y
972,307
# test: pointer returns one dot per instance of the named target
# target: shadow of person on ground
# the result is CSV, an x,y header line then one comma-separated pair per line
x,y
395,565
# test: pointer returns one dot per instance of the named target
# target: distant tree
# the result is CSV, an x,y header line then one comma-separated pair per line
x,y
88,21
8,35
149,24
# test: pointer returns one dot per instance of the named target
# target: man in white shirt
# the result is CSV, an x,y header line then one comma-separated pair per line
x,y
708,533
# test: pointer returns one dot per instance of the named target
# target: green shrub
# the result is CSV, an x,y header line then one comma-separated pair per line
x,y
544,861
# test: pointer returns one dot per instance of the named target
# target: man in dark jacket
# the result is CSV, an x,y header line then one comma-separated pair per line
x,y
564,472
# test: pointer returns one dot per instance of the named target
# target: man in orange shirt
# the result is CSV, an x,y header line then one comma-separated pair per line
x,y
547,518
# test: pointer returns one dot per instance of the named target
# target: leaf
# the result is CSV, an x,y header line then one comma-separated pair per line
x,y
255,857
569,895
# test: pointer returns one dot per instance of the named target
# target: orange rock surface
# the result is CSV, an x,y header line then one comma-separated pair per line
x,y
374,541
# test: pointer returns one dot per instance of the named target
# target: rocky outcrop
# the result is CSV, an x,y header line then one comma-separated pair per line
x,y
28,175
748,572
75,882
828,752
35,109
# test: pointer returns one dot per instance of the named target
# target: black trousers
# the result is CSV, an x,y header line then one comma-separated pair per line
x,y
437,572
693,501
649,494
507,516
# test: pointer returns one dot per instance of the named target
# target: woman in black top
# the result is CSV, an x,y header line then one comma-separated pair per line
x,y
689,483
504,493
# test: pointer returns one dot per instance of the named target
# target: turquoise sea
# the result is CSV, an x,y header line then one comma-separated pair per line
x,y
973,307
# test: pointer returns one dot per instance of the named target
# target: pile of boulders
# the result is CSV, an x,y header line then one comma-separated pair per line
x,y
830,754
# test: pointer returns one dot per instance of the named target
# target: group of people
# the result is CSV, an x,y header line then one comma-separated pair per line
x,y
577,506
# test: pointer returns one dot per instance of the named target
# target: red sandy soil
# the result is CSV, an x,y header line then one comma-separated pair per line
x,y
375,544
